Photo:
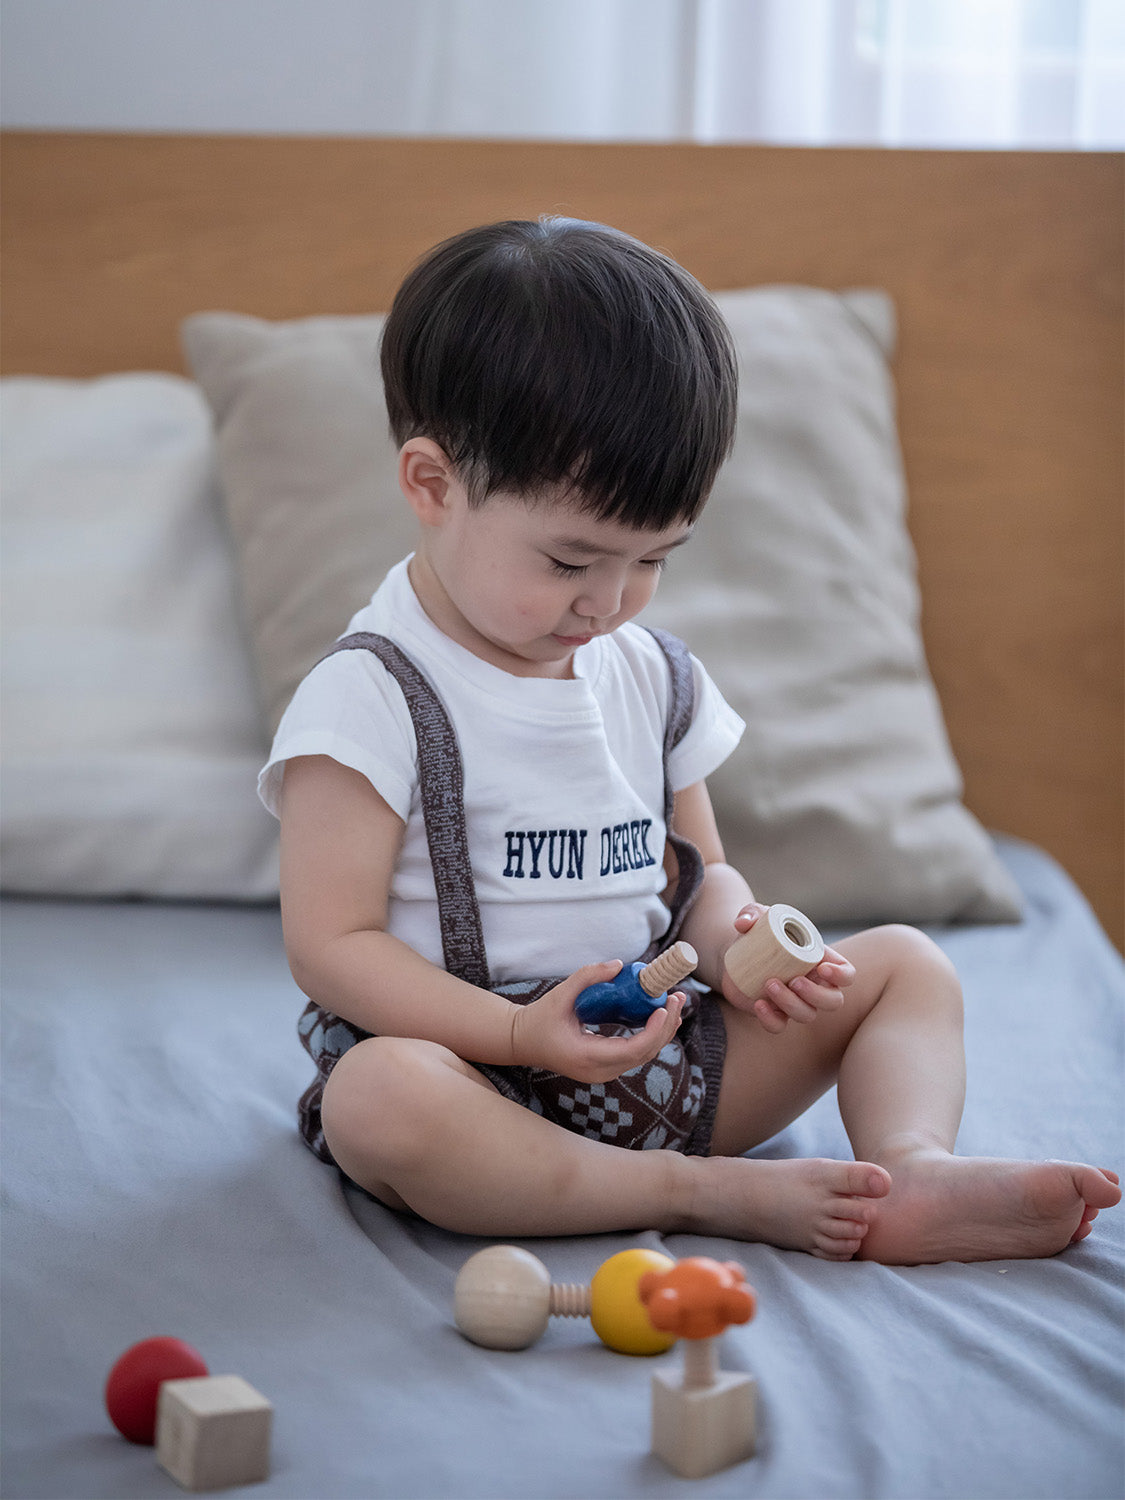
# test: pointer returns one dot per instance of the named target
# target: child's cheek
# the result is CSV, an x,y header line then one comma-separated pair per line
x,y
531,618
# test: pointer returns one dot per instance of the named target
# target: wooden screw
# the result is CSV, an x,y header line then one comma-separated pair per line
x,y
666,971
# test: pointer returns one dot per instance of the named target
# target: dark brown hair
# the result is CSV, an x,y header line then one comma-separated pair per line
x,y
555,351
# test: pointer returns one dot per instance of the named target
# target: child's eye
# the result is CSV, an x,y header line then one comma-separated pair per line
x,y
659,563
567,570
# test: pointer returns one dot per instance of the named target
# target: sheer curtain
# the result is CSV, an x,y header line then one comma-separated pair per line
x,y
866,72
912,72
1031,73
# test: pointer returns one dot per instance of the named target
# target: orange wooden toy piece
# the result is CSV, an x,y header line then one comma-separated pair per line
x,y
698,1297
708,1419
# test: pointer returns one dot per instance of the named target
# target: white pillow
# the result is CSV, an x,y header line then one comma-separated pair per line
x,y
131,733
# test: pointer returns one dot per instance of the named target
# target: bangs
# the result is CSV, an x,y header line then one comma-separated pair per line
x,y
560,352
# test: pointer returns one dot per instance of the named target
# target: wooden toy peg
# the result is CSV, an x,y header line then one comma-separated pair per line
x,y
707,1420
782,944
666,971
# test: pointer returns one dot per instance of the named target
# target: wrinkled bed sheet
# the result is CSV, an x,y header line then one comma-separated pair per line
x,y
153,1183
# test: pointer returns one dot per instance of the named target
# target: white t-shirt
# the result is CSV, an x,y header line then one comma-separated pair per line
x,y
564,782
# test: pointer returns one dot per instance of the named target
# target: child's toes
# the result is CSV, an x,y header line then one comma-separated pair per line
x,y
861,1179
851,1230
836,1247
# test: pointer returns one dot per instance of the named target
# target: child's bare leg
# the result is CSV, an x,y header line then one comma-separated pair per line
x,y
901,1088
896,1050
901,1091
416,1126
421,1129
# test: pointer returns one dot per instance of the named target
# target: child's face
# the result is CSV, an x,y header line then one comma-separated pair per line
x,y
524,584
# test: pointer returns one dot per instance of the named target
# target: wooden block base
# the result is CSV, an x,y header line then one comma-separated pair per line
x,y
699,1430
213,1432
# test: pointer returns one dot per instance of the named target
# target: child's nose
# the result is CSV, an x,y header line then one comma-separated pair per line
x,y
599,601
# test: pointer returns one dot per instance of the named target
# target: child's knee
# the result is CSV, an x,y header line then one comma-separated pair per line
x,y
909,952
374,1099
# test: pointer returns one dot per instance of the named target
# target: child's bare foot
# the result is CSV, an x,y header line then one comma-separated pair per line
x,y
821,1206
944,1207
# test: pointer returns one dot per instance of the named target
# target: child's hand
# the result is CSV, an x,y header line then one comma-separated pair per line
x,y
548,1034
822,989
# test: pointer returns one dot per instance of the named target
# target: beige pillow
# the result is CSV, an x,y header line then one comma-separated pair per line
x,y
799,591
310,475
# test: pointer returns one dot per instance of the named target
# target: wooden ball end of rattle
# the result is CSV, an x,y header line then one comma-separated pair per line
x,y
782,944
502,1298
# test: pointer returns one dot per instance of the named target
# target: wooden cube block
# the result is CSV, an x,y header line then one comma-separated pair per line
x,y
213,1432
698,1430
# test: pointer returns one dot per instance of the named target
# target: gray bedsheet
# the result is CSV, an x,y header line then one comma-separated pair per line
x,y
153,1183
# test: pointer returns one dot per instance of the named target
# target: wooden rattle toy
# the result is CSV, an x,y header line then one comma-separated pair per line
x,y
782,944
707,1420
504,1297
630,997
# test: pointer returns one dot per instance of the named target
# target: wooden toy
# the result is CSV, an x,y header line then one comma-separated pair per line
x,y
619,1317
782,944
213,1432
707,1420
503,1299
133,1385
630,997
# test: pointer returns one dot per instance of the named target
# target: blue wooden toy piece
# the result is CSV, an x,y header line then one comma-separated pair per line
x,y
632,995
619,1001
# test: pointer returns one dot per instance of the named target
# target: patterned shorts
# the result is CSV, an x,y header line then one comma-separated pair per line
x,y
667,1103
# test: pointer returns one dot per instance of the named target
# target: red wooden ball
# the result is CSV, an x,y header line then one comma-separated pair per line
x,y
134,1383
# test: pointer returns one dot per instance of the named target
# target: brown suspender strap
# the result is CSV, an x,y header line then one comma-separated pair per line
x,y
441,783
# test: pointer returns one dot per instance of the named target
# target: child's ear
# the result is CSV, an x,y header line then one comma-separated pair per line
x,y
426,478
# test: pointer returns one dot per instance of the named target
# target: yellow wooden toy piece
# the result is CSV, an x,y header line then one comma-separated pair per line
x,y
616,1310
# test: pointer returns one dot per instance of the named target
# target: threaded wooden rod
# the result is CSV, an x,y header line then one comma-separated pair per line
x,y
666,971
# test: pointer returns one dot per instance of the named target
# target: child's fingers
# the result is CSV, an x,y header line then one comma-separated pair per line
x,y
657,1032
581,979
834,970
769,1016
749,915
801,1000
789,1001
607,1057
821,994
673,1011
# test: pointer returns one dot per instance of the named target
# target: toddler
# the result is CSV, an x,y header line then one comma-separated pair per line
x,y
496,779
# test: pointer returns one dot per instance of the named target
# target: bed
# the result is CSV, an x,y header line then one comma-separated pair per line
x,y
911,569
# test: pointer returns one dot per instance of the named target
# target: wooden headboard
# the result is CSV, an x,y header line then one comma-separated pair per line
x,y
1006,268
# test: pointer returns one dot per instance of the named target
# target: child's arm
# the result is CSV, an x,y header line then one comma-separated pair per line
x,y
725,908
339,845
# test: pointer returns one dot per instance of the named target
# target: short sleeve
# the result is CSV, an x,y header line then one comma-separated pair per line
x,y
713,735
350,708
